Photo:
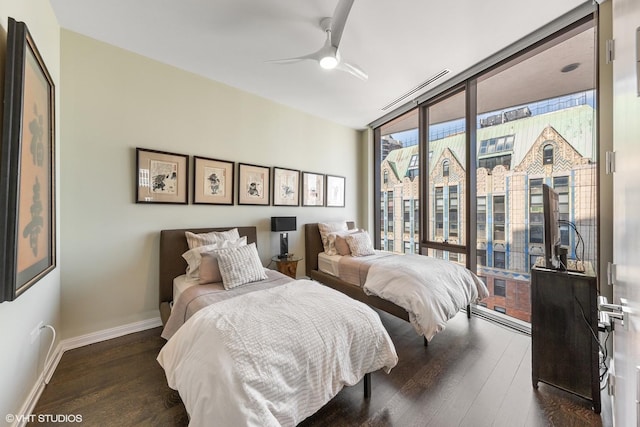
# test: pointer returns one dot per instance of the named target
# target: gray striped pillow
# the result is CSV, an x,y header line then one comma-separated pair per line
x,y
213,237
239,266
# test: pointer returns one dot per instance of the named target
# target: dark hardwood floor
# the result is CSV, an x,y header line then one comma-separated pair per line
x,y
475,373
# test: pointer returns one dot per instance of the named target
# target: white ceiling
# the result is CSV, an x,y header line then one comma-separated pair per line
x,y
399,43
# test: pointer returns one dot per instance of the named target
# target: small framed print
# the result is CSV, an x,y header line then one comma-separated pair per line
x,y
335,191
212,181
161,176
253,184
312,189
286,187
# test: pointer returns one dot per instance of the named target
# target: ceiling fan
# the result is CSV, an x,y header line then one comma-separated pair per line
x,y
328,56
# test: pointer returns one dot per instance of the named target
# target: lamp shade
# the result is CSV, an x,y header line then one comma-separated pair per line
x,y
283,223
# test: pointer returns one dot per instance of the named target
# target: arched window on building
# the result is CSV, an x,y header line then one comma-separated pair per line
x,y
547,154
445,168
385,179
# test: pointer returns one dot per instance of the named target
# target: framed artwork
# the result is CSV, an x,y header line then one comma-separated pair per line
x,y
162,177
27,159
312,189
212,181
286,187
335,191
253,184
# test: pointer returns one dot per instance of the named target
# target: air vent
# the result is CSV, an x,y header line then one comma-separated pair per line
x,y
417,88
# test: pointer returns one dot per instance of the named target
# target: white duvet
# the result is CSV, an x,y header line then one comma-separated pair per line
x,y
432,290
273,357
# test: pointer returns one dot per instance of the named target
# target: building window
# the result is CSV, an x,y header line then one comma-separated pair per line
x,y
498,218
385,179
499,287
492,162
536,214
481,220
500,309
499,260
445,168
439,212
453,211
561,186
390,211
416,217
547,154
481,257
412,169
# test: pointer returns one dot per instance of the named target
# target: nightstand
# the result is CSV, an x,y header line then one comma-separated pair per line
x,y
287,265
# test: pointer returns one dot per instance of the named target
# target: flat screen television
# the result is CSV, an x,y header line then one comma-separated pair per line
x,y
551,227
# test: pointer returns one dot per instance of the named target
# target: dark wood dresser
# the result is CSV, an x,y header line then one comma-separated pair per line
x,y
564,330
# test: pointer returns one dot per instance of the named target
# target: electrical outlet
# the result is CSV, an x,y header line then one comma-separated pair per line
x,y
36,332
611,384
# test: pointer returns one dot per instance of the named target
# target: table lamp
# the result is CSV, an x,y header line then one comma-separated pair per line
x,y
283,224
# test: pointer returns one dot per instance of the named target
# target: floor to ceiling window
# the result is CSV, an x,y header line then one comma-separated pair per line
x,y
534,123
399,165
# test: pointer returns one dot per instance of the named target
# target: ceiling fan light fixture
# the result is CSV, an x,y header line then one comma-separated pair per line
x,y
328,62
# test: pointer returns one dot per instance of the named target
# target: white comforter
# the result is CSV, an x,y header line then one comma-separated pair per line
x,y
273,357
430,289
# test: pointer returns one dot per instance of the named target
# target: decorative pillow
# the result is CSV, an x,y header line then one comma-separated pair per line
x,y
337,241
194,256
209,268
329,227
360,244
204,239
241,265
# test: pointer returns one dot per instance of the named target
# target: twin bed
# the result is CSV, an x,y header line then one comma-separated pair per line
x,y
273,350
422,290
268,352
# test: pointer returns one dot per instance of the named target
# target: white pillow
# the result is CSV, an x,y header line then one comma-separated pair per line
x,y
213,237
194,256
239,266
328,227
360,244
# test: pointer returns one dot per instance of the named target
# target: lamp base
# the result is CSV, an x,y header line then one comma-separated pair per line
x,y
284,246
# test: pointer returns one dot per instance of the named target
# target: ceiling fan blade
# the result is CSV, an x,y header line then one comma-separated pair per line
x,y
313,56
352,69
339,20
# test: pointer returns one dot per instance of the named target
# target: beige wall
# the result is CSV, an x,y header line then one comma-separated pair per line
x,y
114,101
22,362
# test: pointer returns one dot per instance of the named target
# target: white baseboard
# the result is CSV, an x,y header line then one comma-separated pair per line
x,y
107,334
70,344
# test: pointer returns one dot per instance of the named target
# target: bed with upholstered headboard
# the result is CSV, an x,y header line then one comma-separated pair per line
x,y
172,245
314,246
236,324
423,290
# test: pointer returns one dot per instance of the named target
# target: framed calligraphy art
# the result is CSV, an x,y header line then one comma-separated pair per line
x,y
27,159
